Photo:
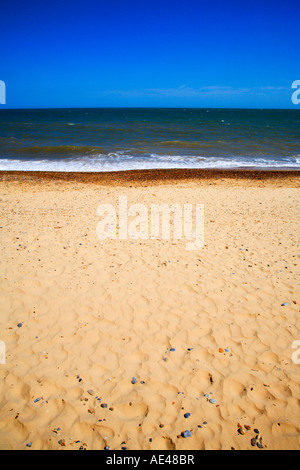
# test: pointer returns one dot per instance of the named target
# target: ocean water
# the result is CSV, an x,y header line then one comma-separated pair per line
x,y
115,139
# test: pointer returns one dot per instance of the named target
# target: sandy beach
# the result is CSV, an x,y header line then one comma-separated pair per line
x,y
209,335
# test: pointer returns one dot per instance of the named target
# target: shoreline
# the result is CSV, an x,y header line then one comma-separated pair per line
x,y
155,175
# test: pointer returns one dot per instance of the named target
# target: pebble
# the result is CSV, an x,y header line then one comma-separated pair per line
x,y
103,405
133,380
213,401
186,434
36,400
91,392
172,349
29,444
56,430
187,415
284,304
19,325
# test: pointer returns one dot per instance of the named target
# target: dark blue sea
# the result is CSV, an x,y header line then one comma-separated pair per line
x,y
114,139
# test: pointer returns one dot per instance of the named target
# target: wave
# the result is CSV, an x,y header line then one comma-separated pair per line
x,y
185,144
56,150
120,161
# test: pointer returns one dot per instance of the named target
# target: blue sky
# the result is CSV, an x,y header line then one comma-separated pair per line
x,y
150,53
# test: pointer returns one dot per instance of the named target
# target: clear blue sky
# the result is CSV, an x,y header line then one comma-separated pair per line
x,y
167,53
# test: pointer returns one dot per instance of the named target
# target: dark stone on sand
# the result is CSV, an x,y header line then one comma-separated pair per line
x,y
186,433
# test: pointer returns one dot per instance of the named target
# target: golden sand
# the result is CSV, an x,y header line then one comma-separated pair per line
x,y
94,314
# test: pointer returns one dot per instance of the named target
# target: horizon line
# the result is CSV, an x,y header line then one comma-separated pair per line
x,y
148,107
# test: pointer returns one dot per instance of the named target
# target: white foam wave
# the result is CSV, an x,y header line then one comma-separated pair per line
x,y
120,162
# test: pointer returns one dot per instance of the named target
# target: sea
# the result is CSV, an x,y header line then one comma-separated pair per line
x,y
119,139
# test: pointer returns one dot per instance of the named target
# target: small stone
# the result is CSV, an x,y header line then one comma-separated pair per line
x,y
256,431
213,401
103,405
259,445
133,380
253,441
62,442
91,392
56,430
221,350
172,349
29,444
19,325
284,304
241,431
187,415
186,434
